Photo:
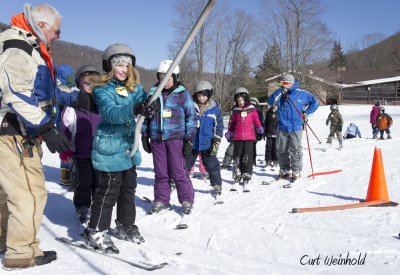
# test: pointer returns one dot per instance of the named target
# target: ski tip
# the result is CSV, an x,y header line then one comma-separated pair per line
x,y
147,199
294,210
181,226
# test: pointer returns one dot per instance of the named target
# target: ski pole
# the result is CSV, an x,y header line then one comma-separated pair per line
x,y
304,120
309,153
206,11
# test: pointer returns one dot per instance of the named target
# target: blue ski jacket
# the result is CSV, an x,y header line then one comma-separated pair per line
x,y
289,120
210,125
176,118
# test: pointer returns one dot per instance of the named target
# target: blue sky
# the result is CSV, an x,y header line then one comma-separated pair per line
x,y
146,25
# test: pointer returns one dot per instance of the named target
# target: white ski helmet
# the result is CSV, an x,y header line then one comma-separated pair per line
x,y
254,101
116,50
164,66
243,92
204,85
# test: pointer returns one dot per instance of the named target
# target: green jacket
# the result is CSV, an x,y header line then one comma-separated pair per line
x,y
335,119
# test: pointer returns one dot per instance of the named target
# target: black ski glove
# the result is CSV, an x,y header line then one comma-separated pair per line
x,y
187,148
146,144
55,140
145,109
85,101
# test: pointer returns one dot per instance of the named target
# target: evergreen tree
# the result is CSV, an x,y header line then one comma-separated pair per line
x,y
337,59
271,66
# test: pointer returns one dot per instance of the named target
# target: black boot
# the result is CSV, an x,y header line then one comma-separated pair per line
x,y
128,233
48,257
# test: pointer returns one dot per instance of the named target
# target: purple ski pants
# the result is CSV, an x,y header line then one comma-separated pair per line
x,y
169,164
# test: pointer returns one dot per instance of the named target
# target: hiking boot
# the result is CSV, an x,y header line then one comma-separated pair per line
x,y
389,137
99,240
186,207
375,137
381,137
295,175
128,233
284,173
83,213
157,207
224,167
246,185
48,257
217,189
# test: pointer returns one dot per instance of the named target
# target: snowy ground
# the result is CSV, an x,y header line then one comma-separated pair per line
x,y
254,233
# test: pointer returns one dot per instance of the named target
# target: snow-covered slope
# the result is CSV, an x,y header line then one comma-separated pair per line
x,y
255,233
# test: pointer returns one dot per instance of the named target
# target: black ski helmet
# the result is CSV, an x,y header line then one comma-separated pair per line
x,y
382,109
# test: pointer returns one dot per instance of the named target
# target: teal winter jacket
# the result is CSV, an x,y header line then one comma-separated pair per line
x,y
116,132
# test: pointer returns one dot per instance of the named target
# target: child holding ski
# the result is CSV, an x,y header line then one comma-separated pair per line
x,y
169,136
244,126
119,98
336,124
210,128
80,126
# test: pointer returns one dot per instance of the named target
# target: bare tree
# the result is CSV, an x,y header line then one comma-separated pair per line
x,y
296,27
188,12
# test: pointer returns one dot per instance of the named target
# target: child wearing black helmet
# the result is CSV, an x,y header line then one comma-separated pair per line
x,y
243,128
336,124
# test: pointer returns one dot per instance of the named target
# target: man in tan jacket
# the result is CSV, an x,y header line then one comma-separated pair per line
x,y
28,91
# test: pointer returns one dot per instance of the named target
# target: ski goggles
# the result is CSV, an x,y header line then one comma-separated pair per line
x,y
285,83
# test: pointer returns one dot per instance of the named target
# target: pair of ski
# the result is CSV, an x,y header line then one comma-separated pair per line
x,y
138,264
235,188
184,217
279,180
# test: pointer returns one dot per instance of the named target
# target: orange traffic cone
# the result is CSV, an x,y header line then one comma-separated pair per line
x,y
377,189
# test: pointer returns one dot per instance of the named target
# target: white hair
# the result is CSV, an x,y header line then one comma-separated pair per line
x,y
44,13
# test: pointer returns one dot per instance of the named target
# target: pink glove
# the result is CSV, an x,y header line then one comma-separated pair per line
x,y
66,156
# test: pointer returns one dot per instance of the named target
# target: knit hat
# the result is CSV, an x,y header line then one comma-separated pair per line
x,y
115,61
288,77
